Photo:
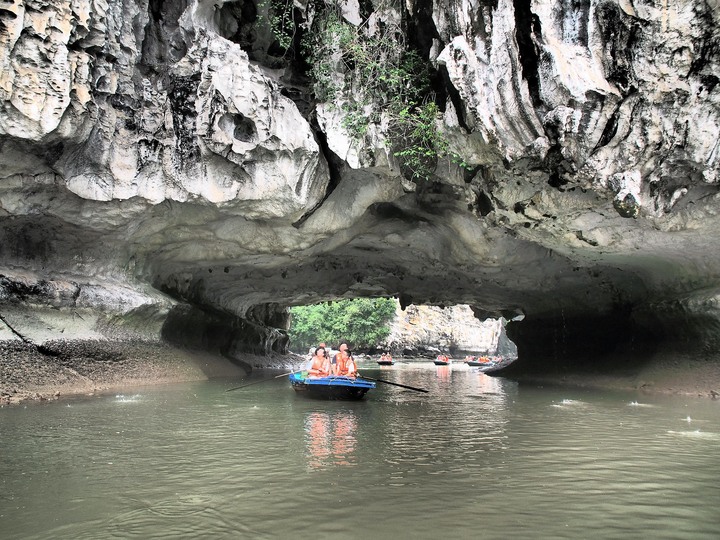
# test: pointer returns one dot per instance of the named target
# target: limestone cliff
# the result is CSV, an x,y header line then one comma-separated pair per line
x,y
429,330
172,168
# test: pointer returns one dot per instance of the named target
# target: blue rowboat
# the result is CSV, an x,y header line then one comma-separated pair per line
x,y
333,387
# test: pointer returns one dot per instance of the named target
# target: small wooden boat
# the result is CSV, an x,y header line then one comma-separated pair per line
x,y
480,361
333,387
385,360
496,364
442,361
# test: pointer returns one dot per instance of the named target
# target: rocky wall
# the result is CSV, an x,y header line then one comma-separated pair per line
x,y
181,154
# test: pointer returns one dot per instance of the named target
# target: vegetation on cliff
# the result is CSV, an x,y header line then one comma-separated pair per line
x,y
369,73
362,323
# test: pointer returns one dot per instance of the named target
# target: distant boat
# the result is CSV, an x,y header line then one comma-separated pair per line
x,y
442,361
333,387
384,361
480,361
495,364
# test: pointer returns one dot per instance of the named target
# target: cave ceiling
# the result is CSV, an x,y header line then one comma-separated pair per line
x,y
172,151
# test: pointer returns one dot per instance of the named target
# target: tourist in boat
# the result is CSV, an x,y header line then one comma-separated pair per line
x,y
343,363
320,366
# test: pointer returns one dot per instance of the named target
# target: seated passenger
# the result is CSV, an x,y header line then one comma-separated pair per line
x,y
320,366
343,363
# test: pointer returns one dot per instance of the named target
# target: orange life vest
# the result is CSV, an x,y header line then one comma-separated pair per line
x,y
342,365
320,366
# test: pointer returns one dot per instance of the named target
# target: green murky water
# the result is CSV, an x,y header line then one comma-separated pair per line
x,y
477,457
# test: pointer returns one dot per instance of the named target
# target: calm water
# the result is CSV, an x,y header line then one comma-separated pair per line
x,y
477,457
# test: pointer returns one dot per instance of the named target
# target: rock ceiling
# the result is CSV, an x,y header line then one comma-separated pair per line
x,y
159,157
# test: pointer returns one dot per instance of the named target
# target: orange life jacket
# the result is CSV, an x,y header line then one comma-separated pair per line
x,y
342,365
320,366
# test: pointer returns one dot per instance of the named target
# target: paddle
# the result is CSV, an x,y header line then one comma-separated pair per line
x,y
261,380
394,384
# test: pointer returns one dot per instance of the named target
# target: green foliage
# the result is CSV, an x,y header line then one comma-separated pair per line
x,y
280,19
362,322
367,74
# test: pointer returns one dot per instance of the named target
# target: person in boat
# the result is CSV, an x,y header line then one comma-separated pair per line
x,y
343,363
311,354
320,366
388,357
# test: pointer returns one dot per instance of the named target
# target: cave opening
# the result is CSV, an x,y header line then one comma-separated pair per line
x,y
373,325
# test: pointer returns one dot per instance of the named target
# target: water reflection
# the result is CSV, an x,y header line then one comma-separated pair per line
x,y
331,438
443,373
474,457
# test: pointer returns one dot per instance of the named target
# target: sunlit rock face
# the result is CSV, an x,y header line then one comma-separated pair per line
x,y
169,162
429,330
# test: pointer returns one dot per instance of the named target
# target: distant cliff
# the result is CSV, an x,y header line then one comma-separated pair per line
x,y
431,329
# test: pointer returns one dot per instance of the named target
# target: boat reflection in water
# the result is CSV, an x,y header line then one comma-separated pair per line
x,y
330,438
443,372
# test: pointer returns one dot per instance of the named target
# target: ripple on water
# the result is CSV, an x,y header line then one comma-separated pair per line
x,y
636,404
696,434
120,398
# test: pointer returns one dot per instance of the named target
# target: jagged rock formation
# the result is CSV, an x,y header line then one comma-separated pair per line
x,y
166,168
428,330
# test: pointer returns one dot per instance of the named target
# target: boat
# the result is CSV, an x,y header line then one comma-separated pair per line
x,y
496,364
385,360
442,361
480,361
332,387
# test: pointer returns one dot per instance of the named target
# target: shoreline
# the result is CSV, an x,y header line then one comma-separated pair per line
x,y
90,367
673,376
77,368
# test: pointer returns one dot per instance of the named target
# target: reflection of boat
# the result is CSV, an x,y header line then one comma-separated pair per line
x,y
333,387
331,438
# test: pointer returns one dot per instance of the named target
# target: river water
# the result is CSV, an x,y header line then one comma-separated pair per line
x,y
476,457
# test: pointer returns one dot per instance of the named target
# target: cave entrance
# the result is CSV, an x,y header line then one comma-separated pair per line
x,y
371,326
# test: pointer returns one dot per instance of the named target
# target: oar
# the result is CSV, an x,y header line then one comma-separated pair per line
x,y
394,384
261,380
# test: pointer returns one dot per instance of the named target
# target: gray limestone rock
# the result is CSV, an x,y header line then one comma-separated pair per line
x,y
176,159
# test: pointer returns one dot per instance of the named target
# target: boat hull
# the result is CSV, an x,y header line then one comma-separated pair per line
x,y
475,363
491,367
334,388
440,363
385,363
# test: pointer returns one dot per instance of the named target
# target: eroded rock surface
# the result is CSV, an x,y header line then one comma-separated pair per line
x,y
166,167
